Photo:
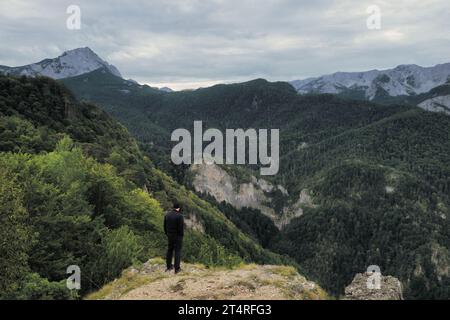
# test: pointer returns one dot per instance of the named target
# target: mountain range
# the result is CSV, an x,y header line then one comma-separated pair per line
x,y
411,84
404,80
360,182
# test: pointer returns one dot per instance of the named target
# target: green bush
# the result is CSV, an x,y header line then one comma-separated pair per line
x,y
36,288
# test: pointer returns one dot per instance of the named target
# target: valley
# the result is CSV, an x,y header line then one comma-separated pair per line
x,y
359,183
77,185
190,150
377,175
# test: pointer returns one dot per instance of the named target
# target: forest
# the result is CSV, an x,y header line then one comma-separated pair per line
x,y
380,172
77,190
77,184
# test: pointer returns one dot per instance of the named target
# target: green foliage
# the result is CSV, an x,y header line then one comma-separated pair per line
x,y
76,183
366,165
15,235
121,247
205,250
60,192
251,221
360,222
36,288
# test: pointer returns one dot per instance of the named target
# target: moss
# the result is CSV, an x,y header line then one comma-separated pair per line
x,y
284,271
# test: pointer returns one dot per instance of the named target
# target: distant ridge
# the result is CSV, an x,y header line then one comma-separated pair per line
x,y
404,80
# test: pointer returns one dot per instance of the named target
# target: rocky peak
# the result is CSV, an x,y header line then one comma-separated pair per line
x,y
70,64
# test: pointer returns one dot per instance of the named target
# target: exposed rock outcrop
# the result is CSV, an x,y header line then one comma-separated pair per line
x,y
215,181
437,104
196,282
296,210
364,288
193,223
254,193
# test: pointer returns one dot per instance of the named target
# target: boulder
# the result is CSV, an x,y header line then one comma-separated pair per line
x,y
364,288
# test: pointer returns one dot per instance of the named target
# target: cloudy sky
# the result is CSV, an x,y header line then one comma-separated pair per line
x,y
192,43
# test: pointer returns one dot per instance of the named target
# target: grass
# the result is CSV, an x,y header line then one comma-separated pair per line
x,y
245,284
285,271
127,282
158,260
285,278
243,266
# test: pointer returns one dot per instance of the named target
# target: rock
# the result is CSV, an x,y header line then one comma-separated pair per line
x,y
390,288
215,181
254,193
198,282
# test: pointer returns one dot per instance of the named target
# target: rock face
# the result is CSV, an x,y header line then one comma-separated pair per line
x,y
215,181
437,104
193,223
255,193
361,288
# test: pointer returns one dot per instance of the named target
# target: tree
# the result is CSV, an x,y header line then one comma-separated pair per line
x,y
15,234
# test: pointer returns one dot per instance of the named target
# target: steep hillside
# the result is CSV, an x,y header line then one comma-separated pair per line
x,y
151,116
77,190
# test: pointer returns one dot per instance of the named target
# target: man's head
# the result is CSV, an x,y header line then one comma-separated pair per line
x,y
176,207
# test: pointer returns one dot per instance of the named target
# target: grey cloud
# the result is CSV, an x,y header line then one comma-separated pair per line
x,y
193,41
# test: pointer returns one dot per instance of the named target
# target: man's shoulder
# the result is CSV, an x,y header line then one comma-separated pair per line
x,y
168,213
174,214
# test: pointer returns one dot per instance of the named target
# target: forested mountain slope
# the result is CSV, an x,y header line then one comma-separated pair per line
x,y
377,177
76,190
152,115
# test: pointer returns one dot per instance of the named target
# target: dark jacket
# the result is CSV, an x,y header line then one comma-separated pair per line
x,y
174,223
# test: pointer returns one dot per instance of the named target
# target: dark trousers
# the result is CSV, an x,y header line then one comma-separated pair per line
x,y
175,243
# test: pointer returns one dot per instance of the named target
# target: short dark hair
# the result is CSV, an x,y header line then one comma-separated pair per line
x,y
176,206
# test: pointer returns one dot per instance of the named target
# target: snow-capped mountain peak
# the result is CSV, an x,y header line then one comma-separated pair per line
x,y
405,80
70,64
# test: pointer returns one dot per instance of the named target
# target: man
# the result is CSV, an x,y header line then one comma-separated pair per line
x,y
174,230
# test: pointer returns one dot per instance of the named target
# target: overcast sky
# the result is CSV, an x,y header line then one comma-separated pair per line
x,y
192,43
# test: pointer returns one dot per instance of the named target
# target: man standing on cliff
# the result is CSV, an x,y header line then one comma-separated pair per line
x,y
174,230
